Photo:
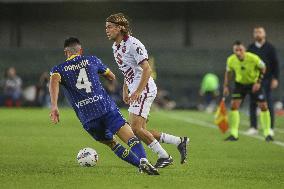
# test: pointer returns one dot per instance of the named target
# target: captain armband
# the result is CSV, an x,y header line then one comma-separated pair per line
x,y
51,74
107,71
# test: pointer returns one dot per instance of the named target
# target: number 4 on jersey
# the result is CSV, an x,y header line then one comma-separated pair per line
x,y
83,81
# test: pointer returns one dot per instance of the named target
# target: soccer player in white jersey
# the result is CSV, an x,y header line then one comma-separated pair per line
x,y
139,89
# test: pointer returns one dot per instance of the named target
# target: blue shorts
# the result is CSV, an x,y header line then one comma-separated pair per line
x,y
105,127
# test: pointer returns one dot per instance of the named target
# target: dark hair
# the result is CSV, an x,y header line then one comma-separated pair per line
x,y
71,41
258,26
238,42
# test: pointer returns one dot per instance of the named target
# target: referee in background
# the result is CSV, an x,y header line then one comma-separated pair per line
x,y
267,53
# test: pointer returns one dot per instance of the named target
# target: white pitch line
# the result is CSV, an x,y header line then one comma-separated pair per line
x,y
278,130
210,125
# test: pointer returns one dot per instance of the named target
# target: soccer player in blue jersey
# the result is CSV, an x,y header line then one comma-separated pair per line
x,y
99,115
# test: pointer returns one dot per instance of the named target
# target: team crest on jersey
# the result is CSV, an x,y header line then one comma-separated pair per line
x,y
123,49
139,51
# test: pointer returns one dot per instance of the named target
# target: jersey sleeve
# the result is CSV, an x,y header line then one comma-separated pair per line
x,y
55,71
229,65
139,52
260,63
102,69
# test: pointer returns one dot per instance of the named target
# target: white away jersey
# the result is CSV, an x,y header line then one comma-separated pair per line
x,y
128,55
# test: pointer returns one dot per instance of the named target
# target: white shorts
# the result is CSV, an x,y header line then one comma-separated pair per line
x,y
142,106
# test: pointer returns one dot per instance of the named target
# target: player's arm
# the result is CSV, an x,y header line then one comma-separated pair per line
x,y
54,91
109,75
274,69
125,94
105,71
262,68
227,78
146,74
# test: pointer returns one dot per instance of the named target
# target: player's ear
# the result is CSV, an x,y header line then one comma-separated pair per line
x,y
81,51
65,53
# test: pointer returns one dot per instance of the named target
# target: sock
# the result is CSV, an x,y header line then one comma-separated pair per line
x,y
170,139
234,122
136,147
126,155
265,121
156,147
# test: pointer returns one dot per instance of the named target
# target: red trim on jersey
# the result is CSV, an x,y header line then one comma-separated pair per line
x,y
142,60
125,38
147,88
143,101
128,70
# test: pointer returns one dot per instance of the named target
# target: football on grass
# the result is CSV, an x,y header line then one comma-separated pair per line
x,y
87,157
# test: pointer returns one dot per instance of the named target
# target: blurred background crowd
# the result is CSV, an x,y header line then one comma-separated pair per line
x,y
188,49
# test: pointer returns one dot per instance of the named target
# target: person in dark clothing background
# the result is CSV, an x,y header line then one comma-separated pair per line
x,y
267,53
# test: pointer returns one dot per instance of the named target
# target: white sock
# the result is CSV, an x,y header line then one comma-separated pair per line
x,y
156,147
170,139
143,159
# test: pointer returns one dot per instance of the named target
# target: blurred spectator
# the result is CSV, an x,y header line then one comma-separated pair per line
x,y
163,100
42,92
113,89
278,108
153,67
266,51
209,90
12,88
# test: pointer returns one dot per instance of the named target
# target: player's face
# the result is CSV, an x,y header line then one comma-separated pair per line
x,y
259,34
112,31
239,51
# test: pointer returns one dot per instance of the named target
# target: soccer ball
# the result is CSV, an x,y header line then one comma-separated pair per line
x,y
87,157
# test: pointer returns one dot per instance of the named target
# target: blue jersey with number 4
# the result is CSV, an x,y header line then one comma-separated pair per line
x,y
80,78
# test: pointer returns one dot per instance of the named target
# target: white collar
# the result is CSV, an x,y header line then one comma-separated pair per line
x,y
258,45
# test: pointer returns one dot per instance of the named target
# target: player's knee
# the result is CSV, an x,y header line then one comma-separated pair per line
x,y
110,143
136,130
136,127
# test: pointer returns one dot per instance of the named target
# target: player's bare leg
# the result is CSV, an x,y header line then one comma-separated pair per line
x,y
137,125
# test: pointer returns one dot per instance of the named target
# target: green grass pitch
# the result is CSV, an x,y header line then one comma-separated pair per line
x,y
36,154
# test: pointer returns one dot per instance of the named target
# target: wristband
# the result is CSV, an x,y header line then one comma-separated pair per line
x,y
260,77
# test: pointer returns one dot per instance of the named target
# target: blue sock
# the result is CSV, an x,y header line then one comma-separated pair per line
x,y
136,147
126,155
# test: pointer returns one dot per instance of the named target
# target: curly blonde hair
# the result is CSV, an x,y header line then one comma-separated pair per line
x,y
121,20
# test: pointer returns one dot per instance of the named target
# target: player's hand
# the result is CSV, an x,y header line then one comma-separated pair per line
x,y
226,91
255,87
54,115
274,84
125,98
134,97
